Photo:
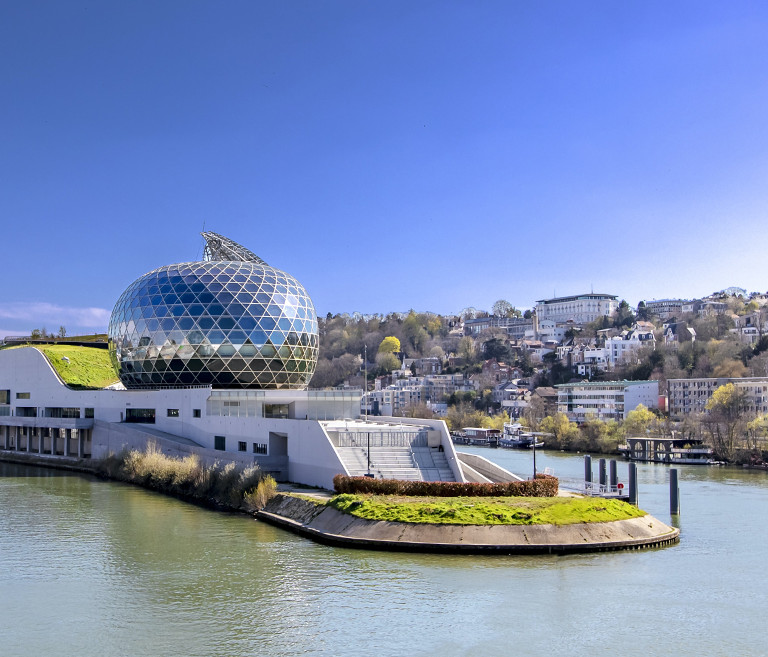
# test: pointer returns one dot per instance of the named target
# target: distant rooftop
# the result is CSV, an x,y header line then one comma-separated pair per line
x,y
597,384
595,296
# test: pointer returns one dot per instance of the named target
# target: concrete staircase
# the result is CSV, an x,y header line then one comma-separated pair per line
x,y
433,464
408,463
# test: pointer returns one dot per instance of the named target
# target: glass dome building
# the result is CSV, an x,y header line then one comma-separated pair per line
x,y
230,321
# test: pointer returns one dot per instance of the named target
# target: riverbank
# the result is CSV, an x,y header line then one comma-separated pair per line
x,y
219,487
309,516
70,464
312,518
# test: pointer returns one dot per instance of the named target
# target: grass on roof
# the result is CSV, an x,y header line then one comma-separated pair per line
x,y
88,367
92,337
485,510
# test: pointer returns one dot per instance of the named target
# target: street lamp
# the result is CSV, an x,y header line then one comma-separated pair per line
x,y
368,472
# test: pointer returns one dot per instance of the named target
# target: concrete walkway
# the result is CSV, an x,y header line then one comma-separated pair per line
x,y
332,527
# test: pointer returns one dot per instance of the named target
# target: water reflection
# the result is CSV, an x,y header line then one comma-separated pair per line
x,y
108,569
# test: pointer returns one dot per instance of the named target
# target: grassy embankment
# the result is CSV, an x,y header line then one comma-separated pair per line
x,y
227,485
485,511
249,489
87,368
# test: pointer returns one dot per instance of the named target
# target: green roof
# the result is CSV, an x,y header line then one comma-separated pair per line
x,y
80,367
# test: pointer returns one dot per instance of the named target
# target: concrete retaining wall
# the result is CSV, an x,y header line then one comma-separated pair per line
x,y
489,470
327,525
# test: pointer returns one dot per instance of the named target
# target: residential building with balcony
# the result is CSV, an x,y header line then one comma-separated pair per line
x,y
605,400
688,396
623,348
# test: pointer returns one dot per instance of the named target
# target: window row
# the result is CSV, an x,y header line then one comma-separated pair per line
x,y
220,443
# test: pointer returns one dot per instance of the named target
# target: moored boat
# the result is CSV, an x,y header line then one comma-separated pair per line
x,y
515,438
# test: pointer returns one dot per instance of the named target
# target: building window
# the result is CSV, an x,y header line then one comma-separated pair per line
x,y
220,443
241,446
140,415
276,410
5,396
22,395
57,412
196,412
26,411
258,448
88,413
173,412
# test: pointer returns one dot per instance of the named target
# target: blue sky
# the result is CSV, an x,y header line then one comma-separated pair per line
x,y
390,155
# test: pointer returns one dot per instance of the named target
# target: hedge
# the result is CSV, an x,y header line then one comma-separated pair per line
x,y
542,486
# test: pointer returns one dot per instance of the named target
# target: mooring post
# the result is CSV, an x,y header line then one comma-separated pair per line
x,y
674,493
602,472
633,484
613,478
587,469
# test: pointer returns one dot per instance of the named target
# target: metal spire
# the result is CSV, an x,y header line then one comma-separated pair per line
x,y
218,247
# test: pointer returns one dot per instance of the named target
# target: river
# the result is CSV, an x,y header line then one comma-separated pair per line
x,y
94,568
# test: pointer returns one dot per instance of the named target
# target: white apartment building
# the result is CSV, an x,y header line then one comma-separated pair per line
x,y
623,348
412,390
514,326
579,309
750,327
546,330
605,400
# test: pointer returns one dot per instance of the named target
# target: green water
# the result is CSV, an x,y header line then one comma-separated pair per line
x,y
93,568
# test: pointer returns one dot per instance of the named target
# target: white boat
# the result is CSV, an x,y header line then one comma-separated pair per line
x,y
515,438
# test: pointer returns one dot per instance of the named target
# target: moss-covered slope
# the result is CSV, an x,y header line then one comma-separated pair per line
x,y
81,367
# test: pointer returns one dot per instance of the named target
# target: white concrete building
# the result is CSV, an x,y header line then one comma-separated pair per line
x,y
605,400
579,309
214,358
750,327
303,436
412,390
623,348
546,330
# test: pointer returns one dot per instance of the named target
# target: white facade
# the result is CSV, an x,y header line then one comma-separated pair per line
x,y
285,431
411,390
623,348
750,327
605,400
546,330
580,309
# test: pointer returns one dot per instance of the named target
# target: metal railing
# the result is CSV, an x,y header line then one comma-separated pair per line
x,y
592,488
382,438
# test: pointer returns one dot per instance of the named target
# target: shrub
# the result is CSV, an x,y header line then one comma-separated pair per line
x,y
542,486
111,465
251,477
227,485
265,490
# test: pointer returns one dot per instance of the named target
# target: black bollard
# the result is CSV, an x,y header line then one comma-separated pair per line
x,y
603,474
674,493
587,469
613,478
633,496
